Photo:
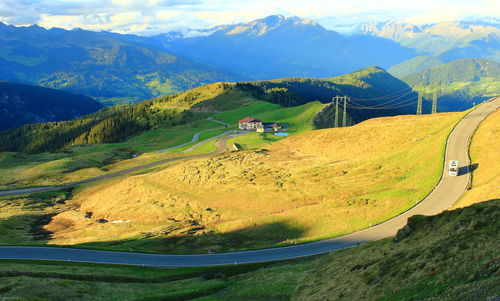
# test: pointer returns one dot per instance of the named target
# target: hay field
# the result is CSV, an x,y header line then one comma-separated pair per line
x,y
313,185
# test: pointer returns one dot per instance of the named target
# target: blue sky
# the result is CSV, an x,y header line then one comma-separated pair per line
x,y
155,16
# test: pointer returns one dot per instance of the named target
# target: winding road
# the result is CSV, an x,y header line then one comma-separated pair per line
x,y
221,147
448,190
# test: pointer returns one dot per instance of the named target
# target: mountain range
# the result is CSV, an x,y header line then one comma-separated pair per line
x,y
277,46
116,68
97,64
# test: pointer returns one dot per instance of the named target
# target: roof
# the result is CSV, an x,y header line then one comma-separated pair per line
x,y
249,119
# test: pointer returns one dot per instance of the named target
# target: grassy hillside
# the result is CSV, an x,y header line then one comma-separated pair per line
x,y
81,281
118,123
313,185
451,256
466,70
367,87
21,104
459,83
484,157
414,65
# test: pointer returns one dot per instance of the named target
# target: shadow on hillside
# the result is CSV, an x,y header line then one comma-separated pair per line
x,y
467,169
191,242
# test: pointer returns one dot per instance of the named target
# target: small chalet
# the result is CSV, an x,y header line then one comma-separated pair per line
x,y
254,124
268,127
249,124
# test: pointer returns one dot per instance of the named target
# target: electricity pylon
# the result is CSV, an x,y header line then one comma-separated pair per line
x,y
434,102
419,104
336,123
344,119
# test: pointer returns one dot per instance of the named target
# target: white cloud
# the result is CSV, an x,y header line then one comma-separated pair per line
x,y
154,16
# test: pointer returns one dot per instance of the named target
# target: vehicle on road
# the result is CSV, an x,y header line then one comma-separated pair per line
x,y
453,168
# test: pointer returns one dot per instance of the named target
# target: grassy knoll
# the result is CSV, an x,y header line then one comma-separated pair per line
x,y
295,119
450,256
89,160
30,280
484,156
84,161
313,185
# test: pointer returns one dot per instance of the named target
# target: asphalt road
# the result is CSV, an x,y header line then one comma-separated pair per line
x,y
197,135
441,198
221,147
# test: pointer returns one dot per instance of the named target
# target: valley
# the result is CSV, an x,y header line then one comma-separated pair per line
x,y
194,150
445,266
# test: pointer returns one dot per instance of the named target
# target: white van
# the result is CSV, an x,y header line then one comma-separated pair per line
x,y
453,168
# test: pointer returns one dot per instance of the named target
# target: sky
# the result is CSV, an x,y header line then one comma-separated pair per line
x,y
148,17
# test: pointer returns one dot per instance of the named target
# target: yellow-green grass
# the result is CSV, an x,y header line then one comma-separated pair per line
x,y
451,256
82,281
212,97
31,288
486,167
311,186
294,119
85,161
486,86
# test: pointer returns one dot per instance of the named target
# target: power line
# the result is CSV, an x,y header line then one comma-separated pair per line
x,y
390,101
390,95
404,103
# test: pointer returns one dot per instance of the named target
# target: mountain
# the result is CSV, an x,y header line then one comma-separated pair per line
x,y
277,46
459,83
367,87
415,64
21,104
447,40
98,64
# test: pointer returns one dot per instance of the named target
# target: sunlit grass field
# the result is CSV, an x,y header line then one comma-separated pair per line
x,y
484,156
310,186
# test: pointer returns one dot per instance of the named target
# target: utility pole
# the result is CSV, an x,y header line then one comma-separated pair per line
x,y
419,104
434,102
336,123
344,119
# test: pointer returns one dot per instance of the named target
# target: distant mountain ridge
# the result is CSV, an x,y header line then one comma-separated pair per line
x,y
98,64
278,46
447,40
458,83
21,104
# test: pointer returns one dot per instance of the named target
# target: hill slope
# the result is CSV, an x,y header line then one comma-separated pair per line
x,y
118,123
414,65
21,104
99,65
450,256
484,157
458,83
310,186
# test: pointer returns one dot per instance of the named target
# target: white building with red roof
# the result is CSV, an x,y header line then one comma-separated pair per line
x,y
249,124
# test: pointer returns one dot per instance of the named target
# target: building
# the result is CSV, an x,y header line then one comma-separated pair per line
x,y
249,124
254,124
268,127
